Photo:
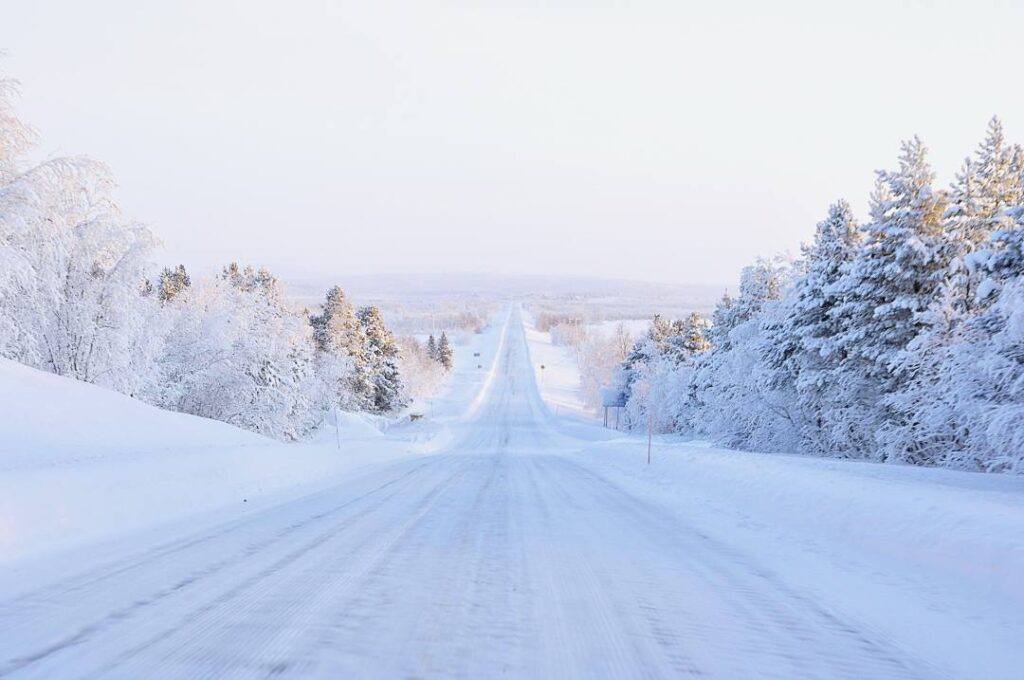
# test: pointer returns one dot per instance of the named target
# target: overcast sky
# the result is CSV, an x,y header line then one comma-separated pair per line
x,y
646,140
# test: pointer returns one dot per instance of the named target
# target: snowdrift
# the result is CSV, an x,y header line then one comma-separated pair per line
x,y
79,463
49,420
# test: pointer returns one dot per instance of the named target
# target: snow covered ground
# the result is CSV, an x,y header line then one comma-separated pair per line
x,y
559,379
80,463
930,556
506,539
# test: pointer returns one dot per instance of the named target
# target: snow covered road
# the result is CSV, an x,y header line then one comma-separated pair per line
x,y
499,556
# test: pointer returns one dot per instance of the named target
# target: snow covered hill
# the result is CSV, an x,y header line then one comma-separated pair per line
x,y
80,463
50,420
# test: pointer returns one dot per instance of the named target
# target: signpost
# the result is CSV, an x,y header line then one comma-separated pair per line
x,y
612,397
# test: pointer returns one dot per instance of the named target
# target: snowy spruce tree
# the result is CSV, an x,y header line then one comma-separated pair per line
x,y
939,409
381,353
1003,261
432,347
658,371
800,349
444,352
736,400
886,291
172,283
987,186
340,336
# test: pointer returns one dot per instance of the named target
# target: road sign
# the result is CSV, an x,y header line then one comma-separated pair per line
x,y
613,396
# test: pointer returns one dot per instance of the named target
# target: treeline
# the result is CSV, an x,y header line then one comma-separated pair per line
x,y
900,339
78,298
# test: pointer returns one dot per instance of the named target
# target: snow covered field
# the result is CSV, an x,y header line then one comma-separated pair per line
x,y
498,538
559,380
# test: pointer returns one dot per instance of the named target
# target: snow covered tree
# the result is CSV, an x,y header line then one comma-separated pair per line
x,y
934,417
172,282
444,352
735,399
658,369
987,185
432,347
382,358
885,294
238,353
689,338
71,267
339,334
898,269
421,372
799,349
77,307
1003,261
16,137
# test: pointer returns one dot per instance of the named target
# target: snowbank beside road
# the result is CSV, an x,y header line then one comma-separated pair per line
x,y
79,463
931,556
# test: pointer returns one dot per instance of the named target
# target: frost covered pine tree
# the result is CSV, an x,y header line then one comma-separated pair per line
x,y
339,334
736,400
800,349
941,401
885,294
382,357
432,347
689,338
985,188
172,283
658,373
445,356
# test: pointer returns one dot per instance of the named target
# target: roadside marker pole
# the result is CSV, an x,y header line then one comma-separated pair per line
x,y
650,434
337,426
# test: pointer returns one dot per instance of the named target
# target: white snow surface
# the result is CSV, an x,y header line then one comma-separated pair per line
x,y
80,463
493,539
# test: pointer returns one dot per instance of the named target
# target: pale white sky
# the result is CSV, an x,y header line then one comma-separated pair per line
x,y
649,140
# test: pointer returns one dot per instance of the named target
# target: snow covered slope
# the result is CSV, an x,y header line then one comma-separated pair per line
x,y
49,420
79,463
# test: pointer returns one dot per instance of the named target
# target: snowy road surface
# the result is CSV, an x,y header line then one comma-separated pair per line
x,y
498,557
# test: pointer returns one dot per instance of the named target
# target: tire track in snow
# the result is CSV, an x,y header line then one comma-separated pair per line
x,y
39,612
